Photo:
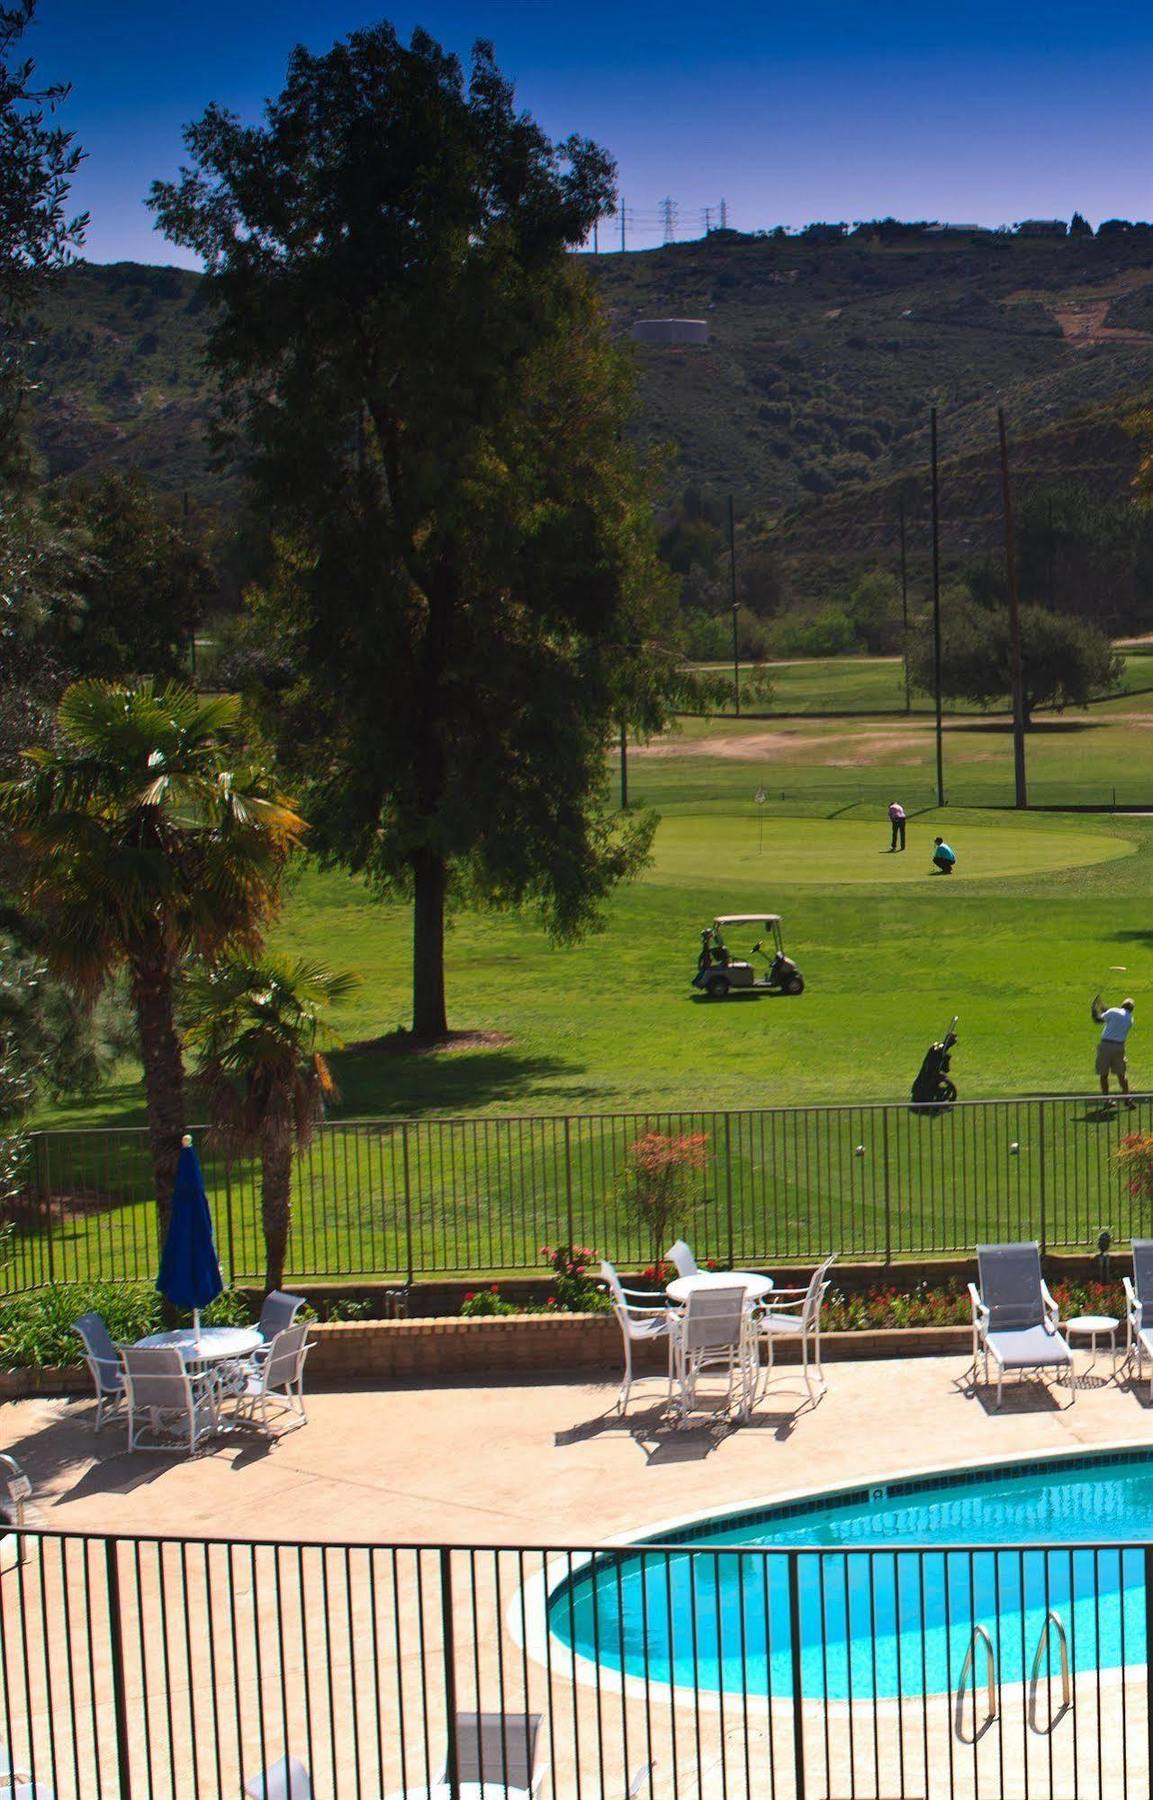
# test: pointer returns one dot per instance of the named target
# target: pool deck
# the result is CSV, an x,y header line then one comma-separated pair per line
x,y
549,1462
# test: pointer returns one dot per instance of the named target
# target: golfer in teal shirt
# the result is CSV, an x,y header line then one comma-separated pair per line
x,y
943,857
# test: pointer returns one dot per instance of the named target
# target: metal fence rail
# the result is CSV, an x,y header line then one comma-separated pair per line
x,y
480,1196
166,1669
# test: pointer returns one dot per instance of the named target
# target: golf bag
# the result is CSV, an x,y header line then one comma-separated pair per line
x,y
932,1090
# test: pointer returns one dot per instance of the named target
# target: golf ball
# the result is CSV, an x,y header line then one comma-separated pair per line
x,y
860,1150
1013,1149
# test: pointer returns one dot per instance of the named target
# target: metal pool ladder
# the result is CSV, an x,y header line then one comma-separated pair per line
x,y
1053,1622
977,1636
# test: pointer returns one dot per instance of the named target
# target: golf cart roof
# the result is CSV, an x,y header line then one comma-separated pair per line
x,y
747,919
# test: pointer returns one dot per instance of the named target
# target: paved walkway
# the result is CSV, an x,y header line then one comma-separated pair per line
x,y
548,1463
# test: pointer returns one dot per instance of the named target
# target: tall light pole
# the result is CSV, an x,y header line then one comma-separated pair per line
x,y
733,592
1017,682
904,600
936,496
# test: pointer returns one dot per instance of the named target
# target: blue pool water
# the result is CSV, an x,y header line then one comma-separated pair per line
x,y
874,1617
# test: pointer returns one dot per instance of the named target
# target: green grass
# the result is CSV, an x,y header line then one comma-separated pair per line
x,y
1043,911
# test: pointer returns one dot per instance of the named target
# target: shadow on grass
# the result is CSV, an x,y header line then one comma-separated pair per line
x,y
375,1081
1039,728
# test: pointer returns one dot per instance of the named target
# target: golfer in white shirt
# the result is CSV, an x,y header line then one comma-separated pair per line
x,y
1116,1023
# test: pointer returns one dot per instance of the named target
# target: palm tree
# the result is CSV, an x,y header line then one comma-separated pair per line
x,y
258,1030
143,845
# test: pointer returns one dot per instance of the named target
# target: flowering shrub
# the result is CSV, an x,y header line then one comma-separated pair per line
x,y
658,1181
576,1290
886,1308
1135,1155
486,1303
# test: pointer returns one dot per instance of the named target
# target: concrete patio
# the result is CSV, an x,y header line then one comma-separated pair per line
x,y
551,1462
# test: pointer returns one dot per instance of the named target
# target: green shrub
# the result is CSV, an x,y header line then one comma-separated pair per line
x,y
229,1308
36,1329
486,1303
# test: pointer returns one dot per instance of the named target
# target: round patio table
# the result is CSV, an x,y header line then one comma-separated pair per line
x,y
755,1286
212,1343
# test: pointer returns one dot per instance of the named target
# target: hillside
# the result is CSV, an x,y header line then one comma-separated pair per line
x,y
809,404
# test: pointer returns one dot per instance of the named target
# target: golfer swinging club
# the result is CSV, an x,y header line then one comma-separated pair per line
x,y
1116,1023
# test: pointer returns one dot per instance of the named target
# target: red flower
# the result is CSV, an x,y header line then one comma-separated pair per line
x,y
469,1297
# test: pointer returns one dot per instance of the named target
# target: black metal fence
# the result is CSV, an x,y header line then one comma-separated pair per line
x,y
479,1197
163,1669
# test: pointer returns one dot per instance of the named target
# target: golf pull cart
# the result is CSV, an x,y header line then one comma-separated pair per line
x,y
719,973
932,1089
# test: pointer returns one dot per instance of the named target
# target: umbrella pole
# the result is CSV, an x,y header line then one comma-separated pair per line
x,y
196,1325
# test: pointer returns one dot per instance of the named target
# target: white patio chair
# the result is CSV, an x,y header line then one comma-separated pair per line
x,y
682,1258
716,1332
276,1380
639,1323
1139,1308
1014,1314
103,1359
287,1779
794,1314
175,1403
497,1750
277,1313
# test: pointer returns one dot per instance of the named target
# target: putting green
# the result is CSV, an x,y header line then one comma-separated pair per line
x,y
827,852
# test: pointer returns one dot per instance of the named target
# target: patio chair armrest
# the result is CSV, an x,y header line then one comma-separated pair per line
x,y
771,1296
770,1303
639,1293
1052,1310
980,1310
1132,1304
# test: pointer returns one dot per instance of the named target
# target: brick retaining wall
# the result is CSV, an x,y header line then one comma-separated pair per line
x,y
536,1344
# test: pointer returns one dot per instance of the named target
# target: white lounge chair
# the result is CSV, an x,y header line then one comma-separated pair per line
x,y
287,1779
275,1380
1014,1314
641,1317
794,1314
1139,1308
103,1359
682,1258
497,1750
716,1332
173,1402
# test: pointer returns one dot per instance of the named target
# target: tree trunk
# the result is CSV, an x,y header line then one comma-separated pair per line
x,y
152,983
275,1198
429,1019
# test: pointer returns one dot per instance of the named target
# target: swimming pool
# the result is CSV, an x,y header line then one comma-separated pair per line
x,y
863,1592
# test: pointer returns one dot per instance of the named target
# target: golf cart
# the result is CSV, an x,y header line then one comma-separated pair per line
x,y
719,973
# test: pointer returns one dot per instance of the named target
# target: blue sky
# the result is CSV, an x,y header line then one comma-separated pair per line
x,y
814,110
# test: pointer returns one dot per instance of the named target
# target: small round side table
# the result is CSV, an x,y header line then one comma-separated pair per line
x,y
1094,1326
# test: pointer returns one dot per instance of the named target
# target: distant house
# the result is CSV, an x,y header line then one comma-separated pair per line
x,y
951,230
1042,228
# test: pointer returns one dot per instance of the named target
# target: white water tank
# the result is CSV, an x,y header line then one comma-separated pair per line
x,y
671,331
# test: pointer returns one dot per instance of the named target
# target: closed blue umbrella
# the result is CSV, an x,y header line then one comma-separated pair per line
x,y
189,1272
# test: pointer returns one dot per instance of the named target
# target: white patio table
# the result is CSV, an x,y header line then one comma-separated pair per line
x,y
755,1286
212,1343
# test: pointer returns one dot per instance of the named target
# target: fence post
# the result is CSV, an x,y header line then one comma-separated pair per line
x,y
44,1194
798,1698
729,1185
407,1204
232,1270
1041,1196
116,1662
888,1196
1148,1559
449,1652
568,1181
